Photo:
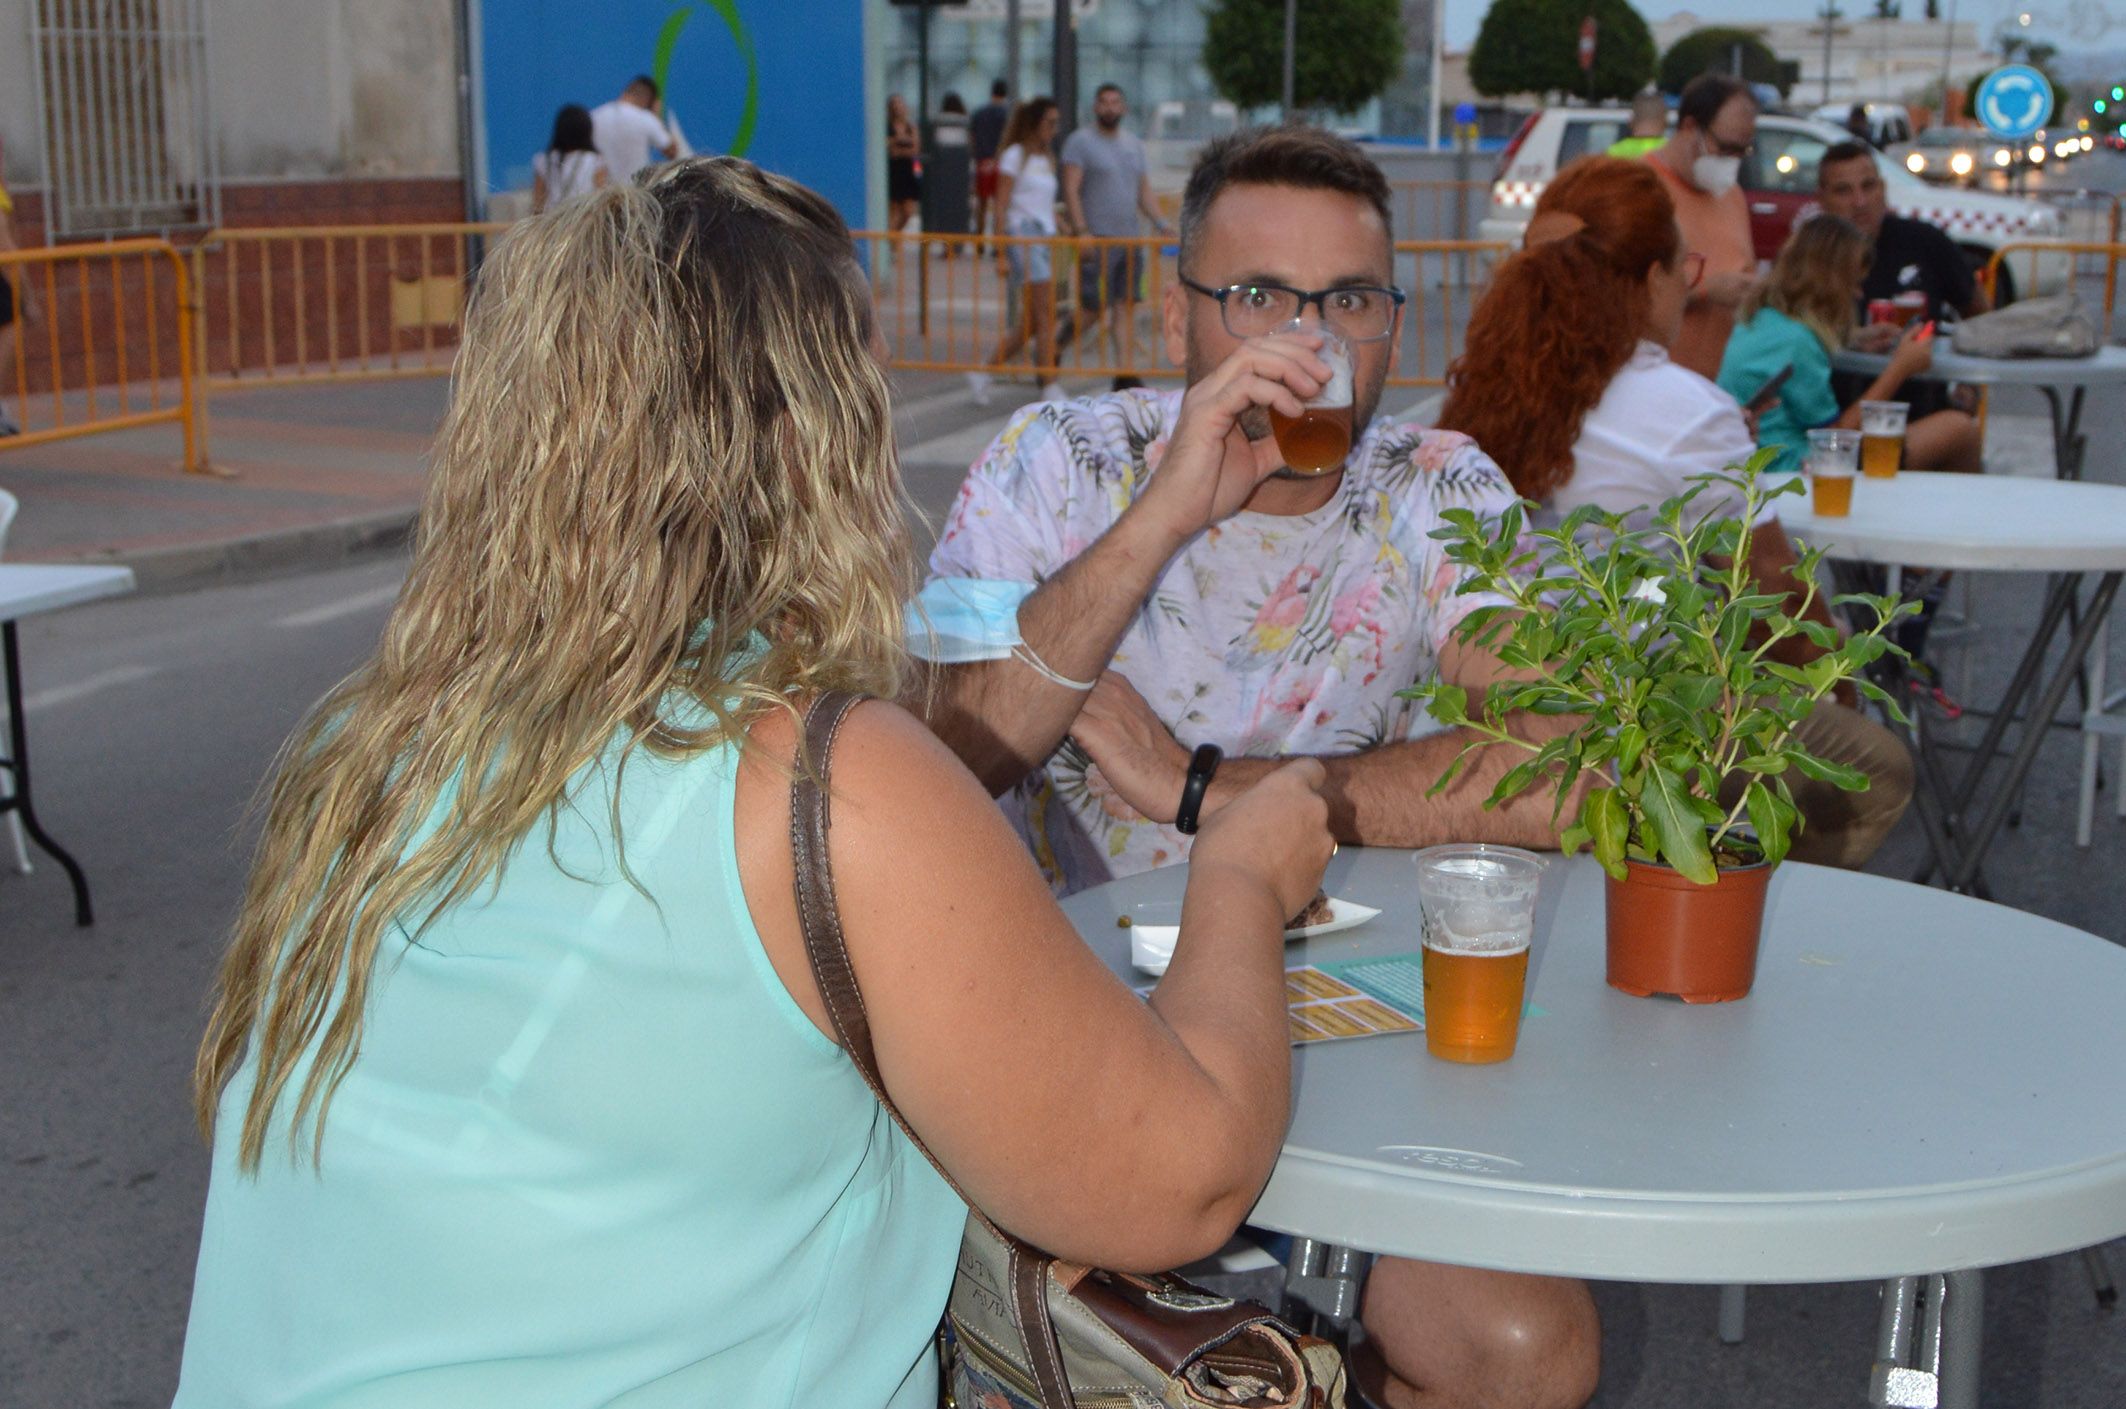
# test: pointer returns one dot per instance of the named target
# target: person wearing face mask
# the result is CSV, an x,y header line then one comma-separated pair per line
x,y
1716,122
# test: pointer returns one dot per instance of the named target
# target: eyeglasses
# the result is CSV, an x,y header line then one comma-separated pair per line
x,y
1693,268
1361,312
1728,149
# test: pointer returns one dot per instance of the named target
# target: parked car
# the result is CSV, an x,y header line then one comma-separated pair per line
x,y
1888,123
1779,179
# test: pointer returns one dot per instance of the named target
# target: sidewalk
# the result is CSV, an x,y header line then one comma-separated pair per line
x,y
308,476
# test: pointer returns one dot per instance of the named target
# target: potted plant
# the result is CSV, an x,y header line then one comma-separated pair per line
x,y
1661,646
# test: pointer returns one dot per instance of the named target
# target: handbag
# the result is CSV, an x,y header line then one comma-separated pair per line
x,y
2054,326
1022,1330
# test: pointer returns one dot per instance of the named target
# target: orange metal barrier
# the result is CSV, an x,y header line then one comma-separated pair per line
x,y
101,343
332,302
963,303
2091,259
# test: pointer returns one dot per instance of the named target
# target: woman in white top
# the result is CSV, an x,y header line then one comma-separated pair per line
x,y
570,165
1566,382
1026,192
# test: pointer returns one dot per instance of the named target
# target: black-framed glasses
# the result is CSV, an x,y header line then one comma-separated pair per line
x,y
1361,312
1728,149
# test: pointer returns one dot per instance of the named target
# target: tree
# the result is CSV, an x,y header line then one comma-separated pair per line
x,y
1532,46
1345,52
1713,49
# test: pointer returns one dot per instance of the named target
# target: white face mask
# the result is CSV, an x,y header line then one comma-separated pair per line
x,y
1715,175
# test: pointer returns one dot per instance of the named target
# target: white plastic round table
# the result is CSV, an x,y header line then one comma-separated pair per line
x,y
2107,367
2071,529
1920,1083
1997,523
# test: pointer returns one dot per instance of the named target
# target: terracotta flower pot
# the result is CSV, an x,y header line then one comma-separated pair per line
x,y
1669,935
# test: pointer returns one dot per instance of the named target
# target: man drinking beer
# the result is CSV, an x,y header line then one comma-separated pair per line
x,y
1175,579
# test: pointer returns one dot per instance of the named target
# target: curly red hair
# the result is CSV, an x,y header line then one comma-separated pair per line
x,y
1560,318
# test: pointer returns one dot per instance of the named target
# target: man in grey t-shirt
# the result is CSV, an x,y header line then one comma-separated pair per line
x,y
1106,182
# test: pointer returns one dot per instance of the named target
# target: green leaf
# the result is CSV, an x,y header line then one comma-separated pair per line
x,y
1573,838
1824,770
1608,825
1631,742
1679,832
1771,818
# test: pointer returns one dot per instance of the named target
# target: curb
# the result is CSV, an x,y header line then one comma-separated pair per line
x,y
260,555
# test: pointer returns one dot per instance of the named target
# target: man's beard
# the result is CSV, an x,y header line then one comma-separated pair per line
x,y
1108,124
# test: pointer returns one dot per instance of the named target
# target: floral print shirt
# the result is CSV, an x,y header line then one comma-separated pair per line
x,y
1267,635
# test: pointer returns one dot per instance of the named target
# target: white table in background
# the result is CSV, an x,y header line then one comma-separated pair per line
x,y
2065,381
26,589
2067,529
1921,1086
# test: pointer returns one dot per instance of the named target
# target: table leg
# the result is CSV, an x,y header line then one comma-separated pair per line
x,y
1734,1308
19,763
1327,1281
2048,704
1927,1345
2092,739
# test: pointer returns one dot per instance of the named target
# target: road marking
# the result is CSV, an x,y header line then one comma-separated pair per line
x,y
346,606
103,680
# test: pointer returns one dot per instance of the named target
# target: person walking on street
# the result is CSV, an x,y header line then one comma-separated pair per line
x,y
1026,193
904,182
629,128
1106,184
570,165
986,135
1716,125
12,310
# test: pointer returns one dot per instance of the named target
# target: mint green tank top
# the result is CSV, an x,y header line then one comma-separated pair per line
x,y
591,1153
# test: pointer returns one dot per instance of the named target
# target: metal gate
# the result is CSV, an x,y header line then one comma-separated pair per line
x,y
122,106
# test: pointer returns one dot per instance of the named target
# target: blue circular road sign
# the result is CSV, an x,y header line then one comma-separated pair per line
x,y
2014,101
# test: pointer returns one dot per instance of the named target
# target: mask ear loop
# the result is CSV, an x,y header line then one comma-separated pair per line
x,y
1026,656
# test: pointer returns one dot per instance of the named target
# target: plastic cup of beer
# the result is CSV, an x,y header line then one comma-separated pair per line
x,y
1477,906
1910,304
1882,438
1320,439
1833,460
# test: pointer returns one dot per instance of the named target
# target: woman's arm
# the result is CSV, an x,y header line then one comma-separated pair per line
x,y
1097,1126
538,192
1912,356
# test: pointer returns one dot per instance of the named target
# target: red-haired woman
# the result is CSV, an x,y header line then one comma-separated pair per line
x,y
1566,382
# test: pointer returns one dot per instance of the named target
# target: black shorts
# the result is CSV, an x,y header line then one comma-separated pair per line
x,y
1099,286
902,183
7,299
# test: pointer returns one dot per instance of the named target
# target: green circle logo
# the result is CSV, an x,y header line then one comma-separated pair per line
x,y
668,39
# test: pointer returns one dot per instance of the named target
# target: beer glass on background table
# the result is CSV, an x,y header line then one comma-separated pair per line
x,y
1477,907
1882,438
1320,439
1833,459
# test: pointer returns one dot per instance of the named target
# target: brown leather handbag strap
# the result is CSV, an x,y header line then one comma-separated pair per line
x,y
820,915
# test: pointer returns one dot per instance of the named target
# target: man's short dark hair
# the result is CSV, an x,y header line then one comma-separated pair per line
x,y
1000,89
1104,88
1705,95
1842,151
644,82
1289,154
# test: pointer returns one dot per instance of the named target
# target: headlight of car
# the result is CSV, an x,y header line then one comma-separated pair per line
x,y
1961,163
2037,153
2003,157
1915,163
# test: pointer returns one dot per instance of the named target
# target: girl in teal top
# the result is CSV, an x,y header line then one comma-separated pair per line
x,y
518,1081
1799,316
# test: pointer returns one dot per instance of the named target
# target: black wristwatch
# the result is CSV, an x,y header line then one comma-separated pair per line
x,y
1202,767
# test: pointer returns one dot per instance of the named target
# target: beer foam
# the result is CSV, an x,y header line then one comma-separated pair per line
x,y
1502,943
1338,390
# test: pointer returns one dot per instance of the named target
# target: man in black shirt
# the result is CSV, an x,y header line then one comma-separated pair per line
x,y
1910,255
985,132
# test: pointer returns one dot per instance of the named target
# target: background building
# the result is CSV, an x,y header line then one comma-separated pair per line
x,y
1870,60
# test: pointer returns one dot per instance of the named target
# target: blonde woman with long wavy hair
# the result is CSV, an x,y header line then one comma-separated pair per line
x,y
519,1087
1800,317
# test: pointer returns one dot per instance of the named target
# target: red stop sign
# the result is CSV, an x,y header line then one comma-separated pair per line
x,y
1587,38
